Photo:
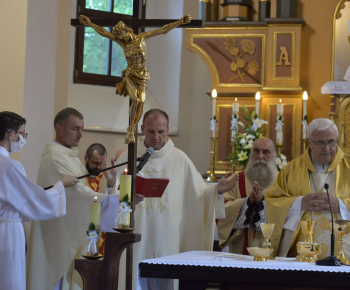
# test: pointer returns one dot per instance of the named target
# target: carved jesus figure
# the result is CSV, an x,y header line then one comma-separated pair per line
x,y
135,76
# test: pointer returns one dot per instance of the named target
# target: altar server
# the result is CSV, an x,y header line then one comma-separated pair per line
x,y
21,200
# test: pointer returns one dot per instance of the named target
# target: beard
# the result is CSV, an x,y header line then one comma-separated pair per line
x,y
89,169
265,173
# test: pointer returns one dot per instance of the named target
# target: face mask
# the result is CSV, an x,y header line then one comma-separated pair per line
x,y
16,146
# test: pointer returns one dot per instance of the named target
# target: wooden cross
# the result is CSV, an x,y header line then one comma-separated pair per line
x,y
138,23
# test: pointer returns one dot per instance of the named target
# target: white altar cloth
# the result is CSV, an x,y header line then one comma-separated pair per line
x,y
219,259
333,88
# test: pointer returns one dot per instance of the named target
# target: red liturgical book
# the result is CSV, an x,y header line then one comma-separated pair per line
x,y
151,187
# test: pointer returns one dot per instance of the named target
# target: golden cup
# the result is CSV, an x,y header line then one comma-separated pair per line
x,y
260,254
266,230
341,228
308,251
307,228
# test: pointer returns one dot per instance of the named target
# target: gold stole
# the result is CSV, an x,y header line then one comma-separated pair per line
x,y
94,182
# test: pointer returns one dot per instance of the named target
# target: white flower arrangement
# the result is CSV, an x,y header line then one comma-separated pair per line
x,y
281,161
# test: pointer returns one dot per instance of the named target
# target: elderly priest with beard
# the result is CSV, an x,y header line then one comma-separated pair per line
x,y
299,194
245,203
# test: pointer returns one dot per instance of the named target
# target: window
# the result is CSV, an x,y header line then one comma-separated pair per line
x,y
99,60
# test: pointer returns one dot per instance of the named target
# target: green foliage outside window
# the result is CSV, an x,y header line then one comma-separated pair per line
x,y
96,47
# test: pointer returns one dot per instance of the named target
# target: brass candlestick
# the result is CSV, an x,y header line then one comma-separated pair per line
x,y
304,144
341,228
212,177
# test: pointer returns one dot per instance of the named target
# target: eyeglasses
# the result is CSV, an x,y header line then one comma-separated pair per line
x,y
322,144
24,134
96,163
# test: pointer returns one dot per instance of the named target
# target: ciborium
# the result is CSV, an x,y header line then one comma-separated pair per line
x,y
341,228
308,250
260,254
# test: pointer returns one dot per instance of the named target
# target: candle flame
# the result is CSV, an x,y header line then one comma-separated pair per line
x,y
214,94
125,171
305,96
95,199
257,96
280,100
235,99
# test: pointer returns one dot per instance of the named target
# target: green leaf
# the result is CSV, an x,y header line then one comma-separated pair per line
x,y
126,198
92,227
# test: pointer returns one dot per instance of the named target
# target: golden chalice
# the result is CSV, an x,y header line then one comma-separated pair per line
x,y
260,254
307,228
341,228
306,248
266,230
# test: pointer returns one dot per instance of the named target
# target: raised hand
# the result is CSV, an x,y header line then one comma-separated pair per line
x,y
256,195
226,183
110,174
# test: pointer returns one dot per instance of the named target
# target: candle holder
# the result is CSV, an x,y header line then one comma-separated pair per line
x,y
278,147
212,177
304,144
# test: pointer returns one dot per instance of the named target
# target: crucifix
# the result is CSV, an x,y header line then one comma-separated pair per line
x,y
121,34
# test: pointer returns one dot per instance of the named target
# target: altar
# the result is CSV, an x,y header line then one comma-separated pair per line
x,y
198,269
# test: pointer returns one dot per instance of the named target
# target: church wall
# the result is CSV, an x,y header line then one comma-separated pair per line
x,y
13,19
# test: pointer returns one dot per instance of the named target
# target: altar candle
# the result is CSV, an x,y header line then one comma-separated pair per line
x,y
213,108
257,99
235,109
95,213
279,137
125,185
305,97
279,109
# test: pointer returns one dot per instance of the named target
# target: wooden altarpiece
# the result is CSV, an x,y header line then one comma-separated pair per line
x,y
244,58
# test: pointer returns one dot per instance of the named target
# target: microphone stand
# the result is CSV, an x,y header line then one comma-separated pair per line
x,y
330,260
95,173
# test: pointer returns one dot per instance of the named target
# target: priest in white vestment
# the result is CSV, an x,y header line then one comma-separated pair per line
x,y
55,243
245,203
21,200
183,218
299,194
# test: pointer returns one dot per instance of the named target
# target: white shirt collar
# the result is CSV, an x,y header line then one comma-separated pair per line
x,y
4,152
320,168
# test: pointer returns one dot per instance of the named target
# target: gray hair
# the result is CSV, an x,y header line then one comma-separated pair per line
x,y
320,124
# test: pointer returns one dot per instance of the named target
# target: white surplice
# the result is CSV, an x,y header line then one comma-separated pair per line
x,y
55,243
183,218
21,200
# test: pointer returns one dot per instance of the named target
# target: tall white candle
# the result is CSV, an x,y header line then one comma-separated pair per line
x,y
95,213
305,97
279,137
257,99
213,103
213,108
235,109
279,109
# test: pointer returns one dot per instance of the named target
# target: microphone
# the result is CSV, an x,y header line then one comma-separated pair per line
x,y
144,158
331,260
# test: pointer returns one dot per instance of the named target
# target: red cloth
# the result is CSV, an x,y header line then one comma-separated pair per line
x,y
241,181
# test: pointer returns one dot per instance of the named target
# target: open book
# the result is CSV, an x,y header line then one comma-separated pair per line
x,y
151,187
